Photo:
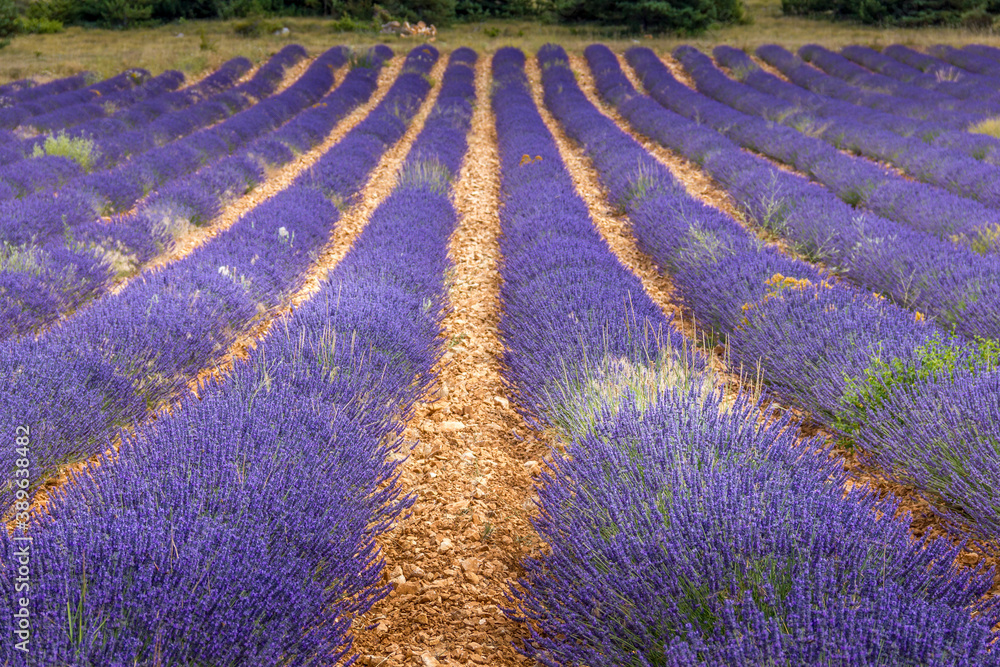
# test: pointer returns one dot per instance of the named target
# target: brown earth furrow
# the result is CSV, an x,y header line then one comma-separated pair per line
x,y
342,237
923,520
676,69
452,559
773,71
293,73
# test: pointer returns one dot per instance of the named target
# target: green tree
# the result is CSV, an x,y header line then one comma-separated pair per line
x,y
63,11
434,12
682,16
168,10
117,13
976,14
8,21
483,9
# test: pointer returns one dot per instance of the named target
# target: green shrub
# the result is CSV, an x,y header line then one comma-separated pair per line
x,y
180,10
433,12
976,20
480,10
204,43
732,11
348,24
117,13
78,149
936,358
256,27
805,7
63,11
41,26
229,9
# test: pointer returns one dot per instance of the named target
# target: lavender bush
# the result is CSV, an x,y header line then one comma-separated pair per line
x,y
25,90
17,114
102,133
676,523
851,359
79,264
853,130
156,334
909,266
294,470
818,92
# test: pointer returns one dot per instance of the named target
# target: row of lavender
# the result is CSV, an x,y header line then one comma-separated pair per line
x,y
115,189
106,141
908,392
930,418
99,114
958,70
286,461
952,284
813,90
681,531
971,72
23,111
857,129
62,256
905,98
26,90
111,364
857,181
956,169
837,76
74,114
118,95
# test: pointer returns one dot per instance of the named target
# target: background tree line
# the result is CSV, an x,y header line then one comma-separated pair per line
x,y
638,16
979,15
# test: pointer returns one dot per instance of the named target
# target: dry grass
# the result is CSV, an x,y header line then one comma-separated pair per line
x,y
990,126
156,49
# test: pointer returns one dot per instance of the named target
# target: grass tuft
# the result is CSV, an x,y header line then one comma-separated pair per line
x,y
20,259
989,126
429,174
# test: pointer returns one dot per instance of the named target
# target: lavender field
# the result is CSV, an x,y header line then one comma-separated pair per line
x,y
406,357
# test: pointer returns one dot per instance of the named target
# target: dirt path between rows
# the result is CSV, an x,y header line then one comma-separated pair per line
x,y
773,71
471,470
